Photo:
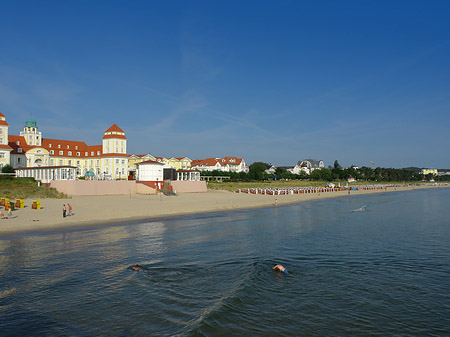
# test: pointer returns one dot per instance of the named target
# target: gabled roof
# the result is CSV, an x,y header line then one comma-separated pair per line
x,y
2,115
114,132
206,162
314,163
12,142
3,123
214,161
114,128
233,160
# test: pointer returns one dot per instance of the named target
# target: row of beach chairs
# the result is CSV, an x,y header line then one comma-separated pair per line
x,y
307,190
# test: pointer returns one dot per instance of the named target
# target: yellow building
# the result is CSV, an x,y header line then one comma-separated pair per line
x,y
180,163
106,161
429,171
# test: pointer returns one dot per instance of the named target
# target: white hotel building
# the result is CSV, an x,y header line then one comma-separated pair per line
x,y
30,149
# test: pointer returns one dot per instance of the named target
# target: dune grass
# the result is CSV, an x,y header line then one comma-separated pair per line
x,y
24,188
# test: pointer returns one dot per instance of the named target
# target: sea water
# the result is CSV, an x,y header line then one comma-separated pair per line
x,y
381,271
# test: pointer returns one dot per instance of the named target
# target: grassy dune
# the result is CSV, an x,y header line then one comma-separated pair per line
x,y
23,188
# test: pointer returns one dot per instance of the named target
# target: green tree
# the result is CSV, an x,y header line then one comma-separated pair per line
x,y
280,170
256,170
336,165
7,169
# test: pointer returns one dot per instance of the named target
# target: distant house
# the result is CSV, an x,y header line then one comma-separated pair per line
x,y
270,169
307,166
429,171
225,164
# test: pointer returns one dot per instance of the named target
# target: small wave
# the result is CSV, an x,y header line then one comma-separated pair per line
x,y
235,302
361,209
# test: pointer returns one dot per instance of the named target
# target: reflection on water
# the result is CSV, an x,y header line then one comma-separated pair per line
x,y
383,271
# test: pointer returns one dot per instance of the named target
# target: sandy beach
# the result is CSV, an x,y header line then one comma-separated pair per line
x,y
96,210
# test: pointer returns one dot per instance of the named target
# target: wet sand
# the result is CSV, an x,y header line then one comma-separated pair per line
x,y
96,210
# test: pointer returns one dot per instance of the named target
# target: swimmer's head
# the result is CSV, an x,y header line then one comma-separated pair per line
x,y
136,267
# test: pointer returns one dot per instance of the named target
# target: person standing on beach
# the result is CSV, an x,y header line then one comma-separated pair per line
x,y
64,210
8,209
70,210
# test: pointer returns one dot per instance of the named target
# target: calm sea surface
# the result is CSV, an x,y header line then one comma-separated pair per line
x,y
380,271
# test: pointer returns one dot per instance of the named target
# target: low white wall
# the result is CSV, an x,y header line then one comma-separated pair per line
x,y
93,187
182,186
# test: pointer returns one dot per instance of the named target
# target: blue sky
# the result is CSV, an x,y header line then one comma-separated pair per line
x,y
273,81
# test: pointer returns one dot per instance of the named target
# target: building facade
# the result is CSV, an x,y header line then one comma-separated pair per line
x,y
5,149
30,149
307,166
429,171
178,163
225,164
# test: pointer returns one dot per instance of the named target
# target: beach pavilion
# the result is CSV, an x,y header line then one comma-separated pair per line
x,y
47,173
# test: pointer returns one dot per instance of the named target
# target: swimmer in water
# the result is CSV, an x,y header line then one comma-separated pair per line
x,y
279,267
136,268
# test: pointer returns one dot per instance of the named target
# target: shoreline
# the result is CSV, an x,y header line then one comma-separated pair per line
x,y
95,211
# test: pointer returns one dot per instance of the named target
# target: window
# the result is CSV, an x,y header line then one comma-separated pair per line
x,y
70,153
61,152
98,163
78,154
76,147
92,153
50,145
98,153
52,161
117,161
70,163
67,146
123,161
19,150
59,146
86,154
52,152
61,162
78,163
18,142
2,155
19,160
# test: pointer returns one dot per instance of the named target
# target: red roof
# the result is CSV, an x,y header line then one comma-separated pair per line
x,y
114,132
12,142
213,161
61,148
2,115
206,162
5,147
115,128
3,123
